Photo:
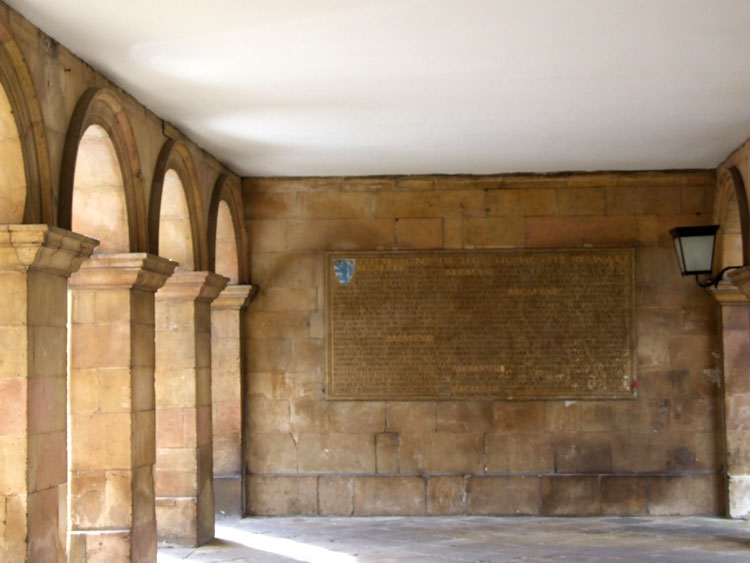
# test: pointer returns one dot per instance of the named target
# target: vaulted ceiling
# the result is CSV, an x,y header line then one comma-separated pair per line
x,y
353,87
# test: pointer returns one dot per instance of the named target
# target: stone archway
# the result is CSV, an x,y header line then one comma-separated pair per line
x,y
111,324
228,251
22,129
35,260
226,244
175,226
731,214
12,175
103,108
227,237
98,207
184,457
171,212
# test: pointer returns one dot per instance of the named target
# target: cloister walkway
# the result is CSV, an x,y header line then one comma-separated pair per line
x,y
471,539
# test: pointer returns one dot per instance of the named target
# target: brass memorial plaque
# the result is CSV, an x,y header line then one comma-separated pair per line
x,y
516,324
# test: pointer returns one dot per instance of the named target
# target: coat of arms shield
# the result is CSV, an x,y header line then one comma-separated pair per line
x,y
344,270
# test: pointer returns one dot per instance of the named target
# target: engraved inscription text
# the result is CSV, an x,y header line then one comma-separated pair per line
x,y
517,324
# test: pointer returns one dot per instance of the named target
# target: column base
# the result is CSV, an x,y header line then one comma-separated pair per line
x,y
228,496
177,522
739,496
99,545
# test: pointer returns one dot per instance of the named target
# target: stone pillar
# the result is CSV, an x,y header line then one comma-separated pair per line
x,y
735,335
226,391
35,261
184,457
111,407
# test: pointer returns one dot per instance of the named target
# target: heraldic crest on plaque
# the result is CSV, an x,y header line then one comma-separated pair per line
x,y
343,268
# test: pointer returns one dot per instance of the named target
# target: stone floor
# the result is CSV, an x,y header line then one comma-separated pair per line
x,y
478,539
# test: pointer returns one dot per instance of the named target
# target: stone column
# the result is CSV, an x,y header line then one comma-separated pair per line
x,y
35,261
184,457
226,390
735,335
111,407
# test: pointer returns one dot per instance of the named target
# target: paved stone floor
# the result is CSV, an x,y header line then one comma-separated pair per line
x,y
478,539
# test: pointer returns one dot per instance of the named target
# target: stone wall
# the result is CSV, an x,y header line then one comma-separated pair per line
x,y
659,454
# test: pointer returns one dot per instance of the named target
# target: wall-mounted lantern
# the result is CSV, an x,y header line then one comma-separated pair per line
x,y
695,253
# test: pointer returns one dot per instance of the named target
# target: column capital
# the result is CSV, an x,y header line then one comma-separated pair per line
x,y
193,286
741,278
136,270
235,297
728,294
43,247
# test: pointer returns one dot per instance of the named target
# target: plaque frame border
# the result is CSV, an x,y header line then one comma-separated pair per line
x,y
329,280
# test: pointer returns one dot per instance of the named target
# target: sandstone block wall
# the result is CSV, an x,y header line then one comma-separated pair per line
x,y
659,454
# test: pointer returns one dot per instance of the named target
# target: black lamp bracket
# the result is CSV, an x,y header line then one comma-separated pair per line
x,y
714,280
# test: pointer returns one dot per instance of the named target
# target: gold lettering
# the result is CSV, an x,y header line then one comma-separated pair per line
x,y
517,324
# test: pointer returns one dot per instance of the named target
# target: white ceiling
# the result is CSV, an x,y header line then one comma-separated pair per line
x,y
351,87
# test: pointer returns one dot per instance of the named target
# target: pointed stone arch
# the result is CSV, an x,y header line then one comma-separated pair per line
x,y
174,156
226,199
19,89
101,107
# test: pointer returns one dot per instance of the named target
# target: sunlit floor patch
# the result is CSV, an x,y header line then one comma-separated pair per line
x,y
292,549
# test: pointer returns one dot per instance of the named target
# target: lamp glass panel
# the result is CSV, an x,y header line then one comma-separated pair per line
x,y
697,253
678,250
